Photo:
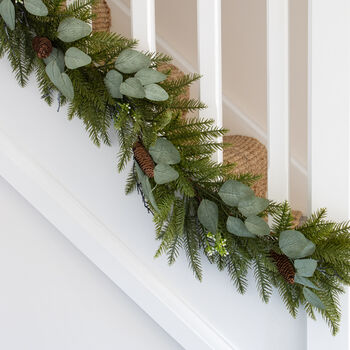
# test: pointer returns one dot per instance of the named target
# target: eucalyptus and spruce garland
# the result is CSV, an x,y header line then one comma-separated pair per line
x,y
197,204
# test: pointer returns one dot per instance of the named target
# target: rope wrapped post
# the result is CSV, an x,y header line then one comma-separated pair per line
x,y
250,156
103,21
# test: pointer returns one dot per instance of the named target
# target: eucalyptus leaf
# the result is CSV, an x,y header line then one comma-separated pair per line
x,y
305,282
60,80
75,58
237,227
131,61
53,72
305,267
164,173
132,87
146,186
36,7
252,205
163,151
7,12
66,87
313,299
72,29
155,92
113,81
295,245
150,76
58,56
208,215
257,226
232,191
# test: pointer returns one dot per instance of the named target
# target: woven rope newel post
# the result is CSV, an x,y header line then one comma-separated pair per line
x,y
103,21
250,156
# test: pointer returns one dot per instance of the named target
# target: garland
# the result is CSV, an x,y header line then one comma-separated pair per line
x,y
197,204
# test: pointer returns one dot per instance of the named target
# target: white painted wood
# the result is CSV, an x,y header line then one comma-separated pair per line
x,y
329,133
278,98
144,24
57,299
210,62
104,249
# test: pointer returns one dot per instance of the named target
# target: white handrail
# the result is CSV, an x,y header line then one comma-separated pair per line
x,y
278,98
210,63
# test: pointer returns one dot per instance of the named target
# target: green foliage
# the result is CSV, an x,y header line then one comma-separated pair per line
x,y
36,7
283,219
176,193
295,245
262,278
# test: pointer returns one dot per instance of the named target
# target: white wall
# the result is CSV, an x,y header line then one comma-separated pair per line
x,y
53,298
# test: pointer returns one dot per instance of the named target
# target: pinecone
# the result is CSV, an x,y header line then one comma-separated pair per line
x,y
284,266
42,46
143,159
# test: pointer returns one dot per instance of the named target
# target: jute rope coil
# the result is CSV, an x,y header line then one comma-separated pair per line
x,y
250,156
103,21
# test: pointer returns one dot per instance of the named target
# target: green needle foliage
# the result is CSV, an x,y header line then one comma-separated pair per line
x,y
175,204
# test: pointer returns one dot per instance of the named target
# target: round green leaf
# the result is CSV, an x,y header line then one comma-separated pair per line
x,y
232,191
155,92
7,12
75,58
163,151
131,61
66,87
257,226
60,80
252,205
146,186
313,299
113,81
150,76
53,72
58,56
72,29
295,245
305,282
36,7
305,267
237,227
208,215
132,87
164,173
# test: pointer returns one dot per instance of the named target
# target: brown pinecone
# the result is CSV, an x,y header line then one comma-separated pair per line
x,y
42,46
284,266
143,159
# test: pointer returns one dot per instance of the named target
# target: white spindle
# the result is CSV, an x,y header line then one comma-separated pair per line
x,y
278,98
143,24
329,133
209,55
